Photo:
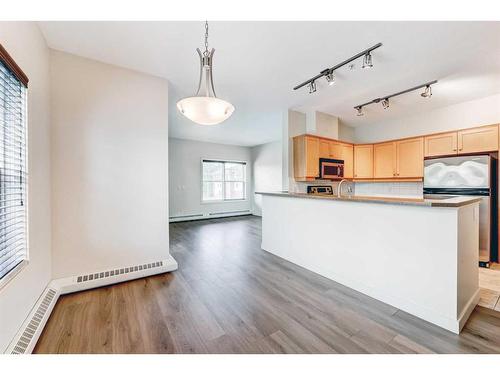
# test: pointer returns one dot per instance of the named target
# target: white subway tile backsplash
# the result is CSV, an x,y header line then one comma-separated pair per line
x,y
389,189
377,189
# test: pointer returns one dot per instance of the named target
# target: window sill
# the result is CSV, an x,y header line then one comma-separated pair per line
x,y
12,274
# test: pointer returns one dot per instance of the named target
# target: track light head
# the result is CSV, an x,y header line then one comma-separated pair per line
x,y
360,111
330,78
367,61
385,103
427,93
312,87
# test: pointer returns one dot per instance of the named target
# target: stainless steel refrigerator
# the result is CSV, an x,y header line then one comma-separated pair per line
x,y
472,176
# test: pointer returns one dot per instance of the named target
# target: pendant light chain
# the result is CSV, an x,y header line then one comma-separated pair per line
x,y
206,39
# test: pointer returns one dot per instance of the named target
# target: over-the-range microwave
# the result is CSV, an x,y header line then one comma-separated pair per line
x,y
331,169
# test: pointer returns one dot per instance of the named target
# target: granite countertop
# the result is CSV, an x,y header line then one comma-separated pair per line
x,y
432,202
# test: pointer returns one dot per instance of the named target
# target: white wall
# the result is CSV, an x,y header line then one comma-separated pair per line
x,y
478,112
346,133
322,124
295,125
109,166
26,45
185,176
266,168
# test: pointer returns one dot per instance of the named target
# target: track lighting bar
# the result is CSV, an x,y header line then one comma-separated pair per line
x,y
329,71
385,99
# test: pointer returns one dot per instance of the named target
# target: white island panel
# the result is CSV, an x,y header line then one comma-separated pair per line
x,y
420,259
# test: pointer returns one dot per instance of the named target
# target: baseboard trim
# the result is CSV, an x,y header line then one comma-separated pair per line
x,y
27,336
467,310
209,216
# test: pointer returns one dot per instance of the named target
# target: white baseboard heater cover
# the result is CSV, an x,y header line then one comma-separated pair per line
x,y
25,340
210,215
32,327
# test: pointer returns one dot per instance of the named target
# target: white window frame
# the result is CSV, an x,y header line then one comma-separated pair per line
x,y
223,200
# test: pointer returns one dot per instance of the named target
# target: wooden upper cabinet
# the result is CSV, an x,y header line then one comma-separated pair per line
x,y
410,158
308,149
363,161
306,157
312,152
441,144
348,158
384,160
343,151
336,150
324,148
482,139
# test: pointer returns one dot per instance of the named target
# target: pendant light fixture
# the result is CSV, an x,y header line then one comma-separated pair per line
x,y
204,107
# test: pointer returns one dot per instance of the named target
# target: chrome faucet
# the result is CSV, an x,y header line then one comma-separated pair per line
x,y
339,188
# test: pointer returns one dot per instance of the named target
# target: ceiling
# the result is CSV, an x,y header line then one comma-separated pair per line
x,y
256,64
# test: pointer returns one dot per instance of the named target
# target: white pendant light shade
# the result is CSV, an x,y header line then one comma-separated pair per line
x,y
205,110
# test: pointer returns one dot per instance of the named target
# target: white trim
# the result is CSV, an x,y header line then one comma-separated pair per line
x,y
176,219
70,285
13,273
467,310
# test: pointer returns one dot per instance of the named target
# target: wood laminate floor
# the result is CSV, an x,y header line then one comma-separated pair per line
x,y
229,296
489,282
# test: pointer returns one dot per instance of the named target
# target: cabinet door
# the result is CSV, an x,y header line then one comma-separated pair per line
x,y
348,158
324,148
480,139
312,157
384,160
335,150
410,158
363,161
441,144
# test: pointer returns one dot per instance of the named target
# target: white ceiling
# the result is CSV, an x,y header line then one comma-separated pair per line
x,y
256,64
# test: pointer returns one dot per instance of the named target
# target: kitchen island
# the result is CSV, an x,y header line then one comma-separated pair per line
x,y
418,255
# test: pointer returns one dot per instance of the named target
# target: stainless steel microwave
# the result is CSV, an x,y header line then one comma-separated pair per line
x,y
331,169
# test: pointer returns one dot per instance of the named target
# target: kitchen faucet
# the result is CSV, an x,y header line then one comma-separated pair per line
x,y
339,187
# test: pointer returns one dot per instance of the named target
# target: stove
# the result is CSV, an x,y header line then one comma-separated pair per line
x,y
320,190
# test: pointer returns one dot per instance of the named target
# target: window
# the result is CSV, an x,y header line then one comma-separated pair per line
x,y
13,223
223,180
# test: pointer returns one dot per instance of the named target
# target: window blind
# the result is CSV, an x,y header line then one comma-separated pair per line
x,y
13,175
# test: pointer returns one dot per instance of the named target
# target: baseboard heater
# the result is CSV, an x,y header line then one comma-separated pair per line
x,y
25,340
244,212
210,215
